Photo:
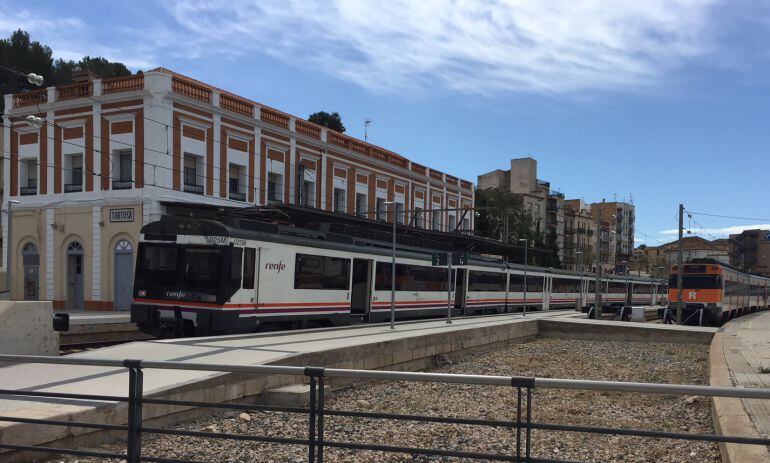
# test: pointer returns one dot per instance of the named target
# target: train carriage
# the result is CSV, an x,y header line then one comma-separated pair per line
x,y
713,292
234,275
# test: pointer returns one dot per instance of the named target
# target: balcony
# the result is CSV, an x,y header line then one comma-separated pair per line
x,y
196,189
28,190
73,187
237,196
121,184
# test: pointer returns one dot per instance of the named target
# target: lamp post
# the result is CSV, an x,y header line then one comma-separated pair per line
x,y
526,246
579,255
393,271
9,252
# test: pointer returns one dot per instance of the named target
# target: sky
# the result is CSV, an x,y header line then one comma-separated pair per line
x,y
657,102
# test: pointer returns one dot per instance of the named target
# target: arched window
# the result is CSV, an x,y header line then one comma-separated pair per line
x,y
75,248
124,246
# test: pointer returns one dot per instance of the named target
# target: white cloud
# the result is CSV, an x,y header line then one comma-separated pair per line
x,y
471,47
719,232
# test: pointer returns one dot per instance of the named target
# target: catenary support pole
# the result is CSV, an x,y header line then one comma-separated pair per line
x,y
598,290
680,268
449,288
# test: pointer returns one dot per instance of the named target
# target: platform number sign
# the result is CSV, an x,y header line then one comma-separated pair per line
x,y
457,258
439,258
460,258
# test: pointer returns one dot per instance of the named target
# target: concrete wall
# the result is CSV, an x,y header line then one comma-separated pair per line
x,y
26,328
591,330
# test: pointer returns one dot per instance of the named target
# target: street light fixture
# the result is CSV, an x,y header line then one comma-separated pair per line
x,y
393,271
526,245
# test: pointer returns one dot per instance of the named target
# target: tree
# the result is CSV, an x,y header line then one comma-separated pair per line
x,y
20,53
332,121
502,217
551,243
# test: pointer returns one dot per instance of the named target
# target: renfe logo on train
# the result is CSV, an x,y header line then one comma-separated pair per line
x,y
278,267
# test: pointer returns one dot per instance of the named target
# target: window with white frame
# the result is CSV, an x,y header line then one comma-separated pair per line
x,y
419,217
122,169
361,204
73,173
338,200
274,187
452,221
308,191
193,170
382,209
437,220
237,182
28,177
399,212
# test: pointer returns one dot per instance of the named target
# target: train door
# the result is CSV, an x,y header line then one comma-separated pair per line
x,y
629,293
547,281
250,273
460,278
360,298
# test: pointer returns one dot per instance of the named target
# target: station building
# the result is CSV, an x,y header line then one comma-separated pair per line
x,y
112,152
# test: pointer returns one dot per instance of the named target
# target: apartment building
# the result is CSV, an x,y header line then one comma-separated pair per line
x,y
657,260
553,213
750,251
112,152
579,235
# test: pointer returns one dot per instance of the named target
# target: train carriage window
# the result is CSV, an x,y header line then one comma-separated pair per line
x,y
534,284
411,277
616,287
591,286
565,285
249,262
321,272
516,283
486,281
236,264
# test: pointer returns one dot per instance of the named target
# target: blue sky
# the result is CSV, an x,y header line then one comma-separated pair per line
x,y
665,101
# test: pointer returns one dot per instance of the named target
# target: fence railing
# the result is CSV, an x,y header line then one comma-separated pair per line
x,y
520,421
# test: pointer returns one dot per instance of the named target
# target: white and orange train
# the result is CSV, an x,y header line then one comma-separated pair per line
x,y
713,292
233,275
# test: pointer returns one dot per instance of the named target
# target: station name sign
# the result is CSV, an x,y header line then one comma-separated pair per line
x,y
122,215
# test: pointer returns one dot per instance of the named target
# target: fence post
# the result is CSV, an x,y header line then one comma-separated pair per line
x,y
528,383
316,418
135,392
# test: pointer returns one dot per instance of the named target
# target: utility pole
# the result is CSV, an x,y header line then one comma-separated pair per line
x,y
598,293
680,268
367,121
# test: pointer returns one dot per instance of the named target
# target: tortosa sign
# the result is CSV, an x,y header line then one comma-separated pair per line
x,y
122,215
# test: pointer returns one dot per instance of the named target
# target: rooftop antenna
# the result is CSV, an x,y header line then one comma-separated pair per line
x,y
367,121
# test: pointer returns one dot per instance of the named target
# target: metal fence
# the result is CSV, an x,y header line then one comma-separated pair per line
x,y
520,423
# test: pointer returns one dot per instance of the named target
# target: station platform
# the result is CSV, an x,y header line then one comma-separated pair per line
x,y
740,356
88,328
410,346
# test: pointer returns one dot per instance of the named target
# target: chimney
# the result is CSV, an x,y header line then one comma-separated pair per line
x,y
83,75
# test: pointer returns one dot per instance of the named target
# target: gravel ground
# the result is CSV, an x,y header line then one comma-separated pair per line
x,y
666,363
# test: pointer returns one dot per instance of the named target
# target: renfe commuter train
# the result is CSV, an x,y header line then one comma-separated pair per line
x,y
713,292
230,274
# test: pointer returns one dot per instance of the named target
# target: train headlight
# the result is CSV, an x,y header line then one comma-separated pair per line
x,y
141,293
209,298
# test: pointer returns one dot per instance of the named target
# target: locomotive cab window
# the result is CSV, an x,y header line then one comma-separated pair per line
x,y
321,272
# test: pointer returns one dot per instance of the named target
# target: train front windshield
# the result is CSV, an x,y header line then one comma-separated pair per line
x,y
182,272
696,282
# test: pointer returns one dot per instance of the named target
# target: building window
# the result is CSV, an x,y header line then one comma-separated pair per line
x,y
74,174
399,213
339,200
419,217
361,204
122,170
236,184
382,209
452,222
466,224
437,221
308,193
192,165
274,187
28,177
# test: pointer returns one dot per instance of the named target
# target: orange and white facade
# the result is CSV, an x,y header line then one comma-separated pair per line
x,y
113,151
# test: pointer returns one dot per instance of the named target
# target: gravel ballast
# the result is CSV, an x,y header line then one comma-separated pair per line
x,y
555,358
